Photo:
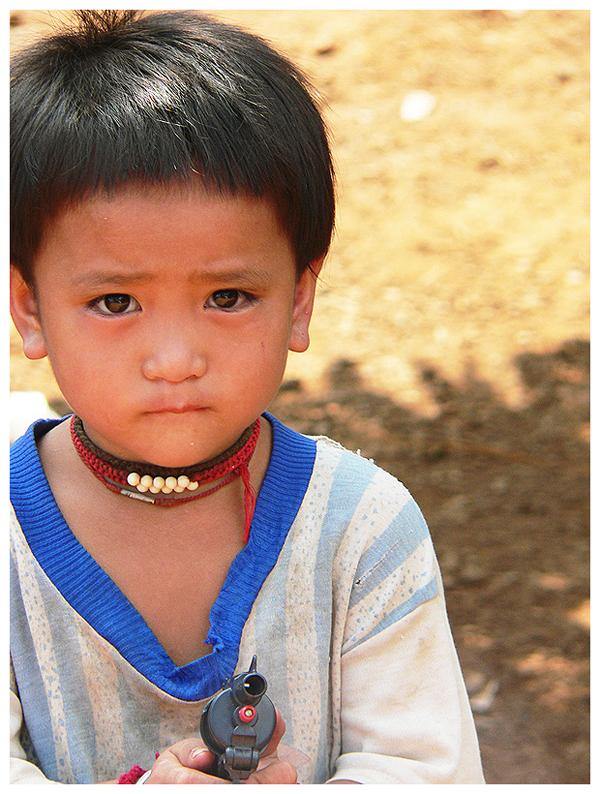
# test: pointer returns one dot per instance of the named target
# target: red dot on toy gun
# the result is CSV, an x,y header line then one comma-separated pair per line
x,y
247,713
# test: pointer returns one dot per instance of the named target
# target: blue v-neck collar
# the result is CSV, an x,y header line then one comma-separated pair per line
x,y
97,599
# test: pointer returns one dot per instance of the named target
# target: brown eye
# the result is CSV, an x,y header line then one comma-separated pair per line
x,y
225,298
116,303
231,300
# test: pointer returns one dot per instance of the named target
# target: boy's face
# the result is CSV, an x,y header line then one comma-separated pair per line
x,y
167,317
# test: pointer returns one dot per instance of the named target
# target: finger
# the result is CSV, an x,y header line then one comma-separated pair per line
x,y
201,759
168,769
192,754
187,761
174,773
276,772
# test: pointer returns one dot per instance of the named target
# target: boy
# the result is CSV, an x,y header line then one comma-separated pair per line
x,y
172,204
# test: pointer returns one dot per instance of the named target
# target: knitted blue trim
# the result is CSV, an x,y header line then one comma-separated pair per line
x,y
97,599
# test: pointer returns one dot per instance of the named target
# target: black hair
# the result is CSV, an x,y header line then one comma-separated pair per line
x,y
163,98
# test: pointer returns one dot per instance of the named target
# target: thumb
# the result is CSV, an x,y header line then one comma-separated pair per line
x,y
192,754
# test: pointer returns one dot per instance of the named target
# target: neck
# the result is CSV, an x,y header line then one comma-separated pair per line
x,y
164,487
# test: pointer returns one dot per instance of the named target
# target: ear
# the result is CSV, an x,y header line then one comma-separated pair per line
x,y
26,317
304,300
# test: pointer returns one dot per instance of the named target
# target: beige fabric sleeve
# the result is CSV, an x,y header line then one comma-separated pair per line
x,y
415,727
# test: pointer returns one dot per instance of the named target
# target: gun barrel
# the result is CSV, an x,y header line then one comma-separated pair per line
x,y
249,688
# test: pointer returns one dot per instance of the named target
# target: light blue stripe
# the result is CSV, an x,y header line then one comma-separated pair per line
x,y
30,682
424,594
388,551
391,549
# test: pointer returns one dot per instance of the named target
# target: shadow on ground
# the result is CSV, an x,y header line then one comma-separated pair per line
x,y
506,495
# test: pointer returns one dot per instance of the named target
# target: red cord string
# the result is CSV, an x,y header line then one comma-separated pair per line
x,y
249,500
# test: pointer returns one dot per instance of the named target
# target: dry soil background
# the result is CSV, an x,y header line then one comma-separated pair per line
x,y
451,335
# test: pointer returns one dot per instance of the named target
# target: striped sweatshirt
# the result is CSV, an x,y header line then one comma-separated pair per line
x,y
337,592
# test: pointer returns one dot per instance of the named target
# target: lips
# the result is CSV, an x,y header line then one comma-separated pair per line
x,y
176,409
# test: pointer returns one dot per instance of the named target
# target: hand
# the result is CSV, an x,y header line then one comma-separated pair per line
x,y
189,762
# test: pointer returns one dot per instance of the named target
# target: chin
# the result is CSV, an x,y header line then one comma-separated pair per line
x,y
180,457
183,452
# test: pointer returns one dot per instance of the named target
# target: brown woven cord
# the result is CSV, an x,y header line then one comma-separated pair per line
x,y
81,439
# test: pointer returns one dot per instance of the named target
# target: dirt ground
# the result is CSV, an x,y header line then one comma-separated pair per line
x,y
451,335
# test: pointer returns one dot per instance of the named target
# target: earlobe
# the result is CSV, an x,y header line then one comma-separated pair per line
x,y
304,300
25,314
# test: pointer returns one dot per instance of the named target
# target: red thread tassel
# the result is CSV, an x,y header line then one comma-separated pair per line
x,y
133,775
249,500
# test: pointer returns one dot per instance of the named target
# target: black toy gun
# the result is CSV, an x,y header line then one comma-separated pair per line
x,y
237,724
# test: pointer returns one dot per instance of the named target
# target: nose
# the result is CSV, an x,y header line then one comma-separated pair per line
x,y
174,357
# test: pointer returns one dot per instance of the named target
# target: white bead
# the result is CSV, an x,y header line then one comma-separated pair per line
x,y
193,485
171,482
183,481
154,489
133,478
166,489
142,488
146,480
179,489
159,482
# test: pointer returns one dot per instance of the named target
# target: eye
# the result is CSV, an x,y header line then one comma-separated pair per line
x,y
116,303
229,300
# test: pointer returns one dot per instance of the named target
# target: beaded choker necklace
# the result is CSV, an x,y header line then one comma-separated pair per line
x,y
167,487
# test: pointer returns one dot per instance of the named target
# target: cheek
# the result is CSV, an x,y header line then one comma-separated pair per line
x,y
84,370
259,367
262,361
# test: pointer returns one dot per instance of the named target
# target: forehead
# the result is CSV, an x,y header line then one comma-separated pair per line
x,y
164,222
135,205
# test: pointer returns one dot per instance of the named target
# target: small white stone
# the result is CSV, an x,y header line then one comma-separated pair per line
x,y
417,105
133,478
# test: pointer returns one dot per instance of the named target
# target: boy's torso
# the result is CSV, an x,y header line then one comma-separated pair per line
x,y
333,535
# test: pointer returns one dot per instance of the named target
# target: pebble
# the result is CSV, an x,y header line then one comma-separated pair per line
x,y
417,105
483,701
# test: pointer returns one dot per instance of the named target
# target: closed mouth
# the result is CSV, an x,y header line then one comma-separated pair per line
x,y
177,409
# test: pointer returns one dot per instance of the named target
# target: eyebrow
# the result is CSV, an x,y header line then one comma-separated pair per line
x,y
241,276
250,276
101,278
